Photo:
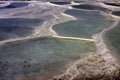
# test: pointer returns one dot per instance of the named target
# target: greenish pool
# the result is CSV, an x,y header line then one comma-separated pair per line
x,y
41,57
112,37
87,24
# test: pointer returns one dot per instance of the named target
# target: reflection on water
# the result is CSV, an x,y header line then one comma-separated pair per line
x,y
88,23
41,58
17,27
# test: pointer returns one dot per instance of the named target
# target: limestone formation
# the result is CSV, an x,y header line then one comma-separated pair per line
x,y
93,67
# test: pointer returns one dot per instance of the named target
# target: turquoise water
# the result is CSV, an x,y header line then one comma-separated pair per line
x,y
87,24
41,57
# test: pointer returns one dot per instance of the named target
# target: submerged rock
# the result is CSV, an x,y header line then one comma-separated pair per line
x,y
93,67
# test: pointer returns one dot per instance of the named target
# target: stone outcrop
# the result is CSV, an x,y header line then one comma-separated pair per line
x,y
93,67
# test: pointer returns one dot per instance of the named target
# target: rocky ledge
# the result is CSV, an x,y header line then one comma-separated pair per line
x,y
93,67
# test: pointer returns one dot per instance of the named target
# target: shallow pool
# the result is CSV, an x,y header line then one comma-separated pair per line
x,y
42,57
18,27
112,39
87,24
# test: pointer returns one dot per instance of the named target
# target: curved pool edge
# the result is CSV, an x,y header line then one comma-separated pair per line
x,y
101,65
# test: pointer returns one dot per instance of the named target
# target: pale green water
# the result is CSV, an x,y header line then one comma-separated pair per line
x,y
88,23
42,56
112,39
